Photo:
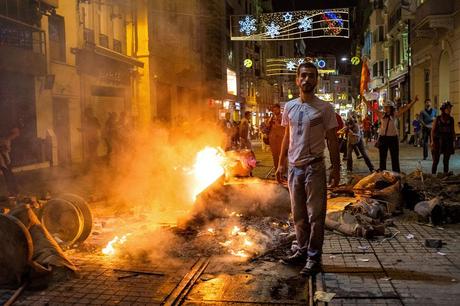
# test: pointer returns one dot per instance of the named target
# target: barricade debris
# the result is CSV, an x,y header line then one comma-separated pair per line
x,y
28,251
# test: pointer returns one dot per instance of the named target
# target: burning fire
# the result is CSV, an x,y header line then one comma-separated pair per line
x,y
240,245
208,167
110,247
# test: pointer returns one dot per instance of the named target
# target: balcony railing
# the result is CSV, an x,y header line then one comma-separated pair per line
x,y
18,35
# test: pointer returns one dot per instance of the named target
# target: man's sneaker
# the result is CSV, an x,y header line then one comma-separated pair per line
x,y
296,259
311,268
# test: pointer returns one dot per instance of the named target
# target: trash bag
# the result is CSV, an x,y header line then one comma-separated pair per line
x,y
430,211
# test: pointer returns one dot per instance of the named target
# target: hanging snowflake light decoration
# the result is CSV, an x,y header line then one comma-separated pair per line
x,y
247,25
287,17
305,24
273,30
290,65
300,61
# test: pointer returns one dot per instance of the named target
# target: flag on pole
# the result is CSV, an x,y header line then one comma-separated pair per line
x,y
365,77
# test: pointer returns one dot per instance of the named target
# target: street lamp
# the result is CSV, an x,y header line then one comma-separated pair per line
x,y
344,59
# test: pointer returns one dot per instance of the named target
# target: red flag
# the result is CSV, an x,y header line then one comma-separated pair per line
x,y
365,77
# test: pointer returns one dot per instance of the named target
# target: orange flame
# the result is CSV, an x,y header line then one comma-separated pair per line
x,y
110,247
208,167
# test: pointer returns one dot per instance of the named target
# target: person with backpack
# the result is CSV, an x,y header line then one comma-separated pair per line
x,y
427,117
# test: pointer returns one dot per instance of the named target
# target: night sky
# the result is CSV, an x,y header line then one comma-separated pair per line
x,y
338,46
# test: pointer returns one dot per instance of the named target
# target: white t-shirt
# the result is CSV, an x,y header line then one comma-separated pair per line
x,y
308,124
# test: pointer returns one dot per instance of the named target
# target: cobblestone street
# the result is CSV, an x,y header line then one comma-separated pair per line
x,y
393,271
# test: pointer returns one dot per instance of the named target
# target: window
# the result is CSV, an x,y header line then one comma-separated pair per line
x,y
117,46
391,59
375,68
397,53
381,71
426,81
103,40
56,30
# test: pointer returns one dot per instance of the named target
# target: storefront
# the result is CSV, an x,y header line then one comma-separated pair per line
x,y
106,85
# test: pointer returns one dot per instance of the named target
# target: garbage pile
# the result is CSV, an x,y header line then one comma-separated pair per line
x,y
365,209
435,199
31,235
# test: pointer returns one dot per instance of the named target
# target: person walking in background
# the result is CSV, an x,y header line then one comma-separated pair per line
x,y
355,140
245,142
227,128
5,161
110,134
426,119
443,138
308,121
417,130
367,128
388,133
91,132
264,132
276,133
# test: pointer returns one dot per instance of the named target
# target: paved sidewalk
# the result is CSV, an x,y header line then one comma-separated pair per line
x,y
395,271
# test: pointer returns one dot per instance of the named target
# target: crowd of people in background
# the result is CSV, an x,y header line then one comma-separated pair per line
x,y
355,133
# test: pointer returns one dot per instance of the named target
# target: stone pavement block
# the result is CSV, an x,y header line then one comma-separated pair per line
x,y
373,302
358,285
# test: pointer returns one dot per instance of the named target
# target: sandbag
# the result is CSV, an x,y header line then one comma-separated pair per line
x,y
377,181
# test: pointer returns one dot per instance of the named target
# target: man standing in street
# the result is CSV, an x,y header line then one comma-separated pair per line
x,y
308,121
245,142
426,119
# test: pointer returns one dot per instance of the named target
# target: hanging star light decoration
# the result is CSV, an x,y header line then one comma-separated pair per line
x,y
287,17
272,30
305,23
248,25
290,65
300,61
291,25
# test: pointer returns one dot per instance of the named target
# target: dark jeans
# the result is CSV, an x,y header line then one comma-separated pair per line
x,y
436,154
426,138
10,181
389,143
360,147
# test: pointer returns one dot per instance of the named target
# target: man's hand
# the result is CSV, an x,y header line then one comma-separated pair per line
x,y
280,174
334,177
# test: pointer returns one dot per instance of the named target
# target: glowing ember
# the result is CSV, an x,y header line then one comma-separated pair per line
x,y
235,230
247,242
240,253
226,243
110,247
211,230
207,169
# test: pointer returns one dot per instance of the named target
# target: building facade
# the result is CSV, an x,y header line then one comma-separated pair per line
x,y
435,45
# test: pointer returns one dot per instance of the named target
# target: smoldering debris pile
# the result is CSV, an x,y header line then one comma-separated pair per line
x,y
248,196
435,199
